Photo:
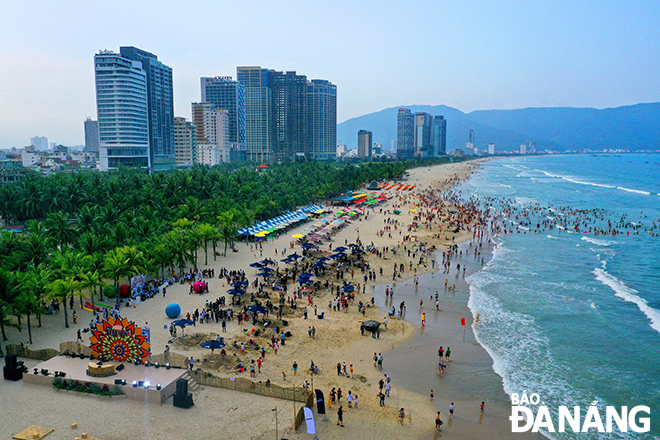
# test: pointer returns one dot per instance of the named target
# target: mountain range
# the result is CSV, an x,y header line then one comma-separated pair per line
x,y
633,127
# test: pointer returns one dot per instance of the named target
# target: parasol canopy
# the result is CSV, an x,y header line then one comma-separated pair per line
x,y
370,326
258,309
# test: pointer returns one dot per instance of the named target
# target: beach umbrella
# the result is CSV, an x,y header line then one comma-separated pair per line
x,y
358,251
265,274
322,259
306,275
257,264
182,323
294,255
236,291
297,236
341,249
258,309
307,245
319,264
267,261
353,245
348,288
370,326
239,283
305,281
288,260
213,344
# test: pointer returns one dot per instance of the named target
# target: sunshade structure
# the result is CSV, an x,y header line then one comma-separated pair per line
x,y
348,288
257,264
306,275
239,284
258,309
236,292
307,245
213,344
182,323
261,229
267,262
370,326
341,249
296,256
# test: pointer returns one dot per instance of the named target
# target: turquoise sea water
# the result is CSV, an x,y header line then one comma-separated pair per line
x,y
573,316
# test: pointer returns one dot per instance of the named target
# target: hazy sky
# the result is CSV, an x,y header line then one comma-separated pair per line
x,y
468,54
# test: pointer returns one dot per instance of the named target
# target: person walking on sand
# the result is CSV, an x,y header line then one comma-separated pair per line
x,y
451,409
482,407
438,422
191,362
351,370
340,416
402,415
447,354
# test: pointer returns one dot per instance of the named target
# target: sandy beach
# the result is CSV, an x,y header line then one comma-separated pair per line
x,y
409,351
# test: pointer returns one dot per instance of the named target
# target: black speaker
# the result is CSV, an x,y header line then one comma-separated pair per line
x,y
12,373
183,401
182,387
11,361
120,367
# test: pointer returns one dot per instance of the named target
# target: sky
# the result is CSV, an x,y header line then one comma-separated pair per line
x,y
467,54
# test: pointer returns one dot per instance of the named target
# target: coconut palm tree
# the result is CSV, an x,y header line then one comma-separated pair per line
x,y
27,303
9,290
61,290
61,230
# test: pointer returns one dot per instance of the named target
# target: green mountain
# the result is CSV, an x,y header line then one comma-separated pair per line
x,y
632,127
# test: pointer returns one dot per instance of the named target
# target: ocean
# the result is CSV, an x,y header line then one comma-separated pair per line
x,y
565,312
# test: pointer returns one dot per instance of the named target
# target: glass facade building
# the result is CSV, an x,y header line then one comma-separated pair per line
x,y
405,134
160,107
258,112
322,119
439,136
121,102
289,115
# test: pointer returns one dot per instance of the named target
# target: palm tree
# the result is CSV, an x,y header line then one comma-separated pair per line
x,y
9,290
28,303
206,233
228,228
36,281
115,264
60,229
63,289
91,280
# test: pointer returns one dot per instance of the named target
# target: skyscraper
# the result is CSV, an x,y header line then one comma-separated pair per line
x,y
160,107
422,134
405,133
322,119
290,115
185,142
258,112
439,137
91,136
121,102
364,144
229,95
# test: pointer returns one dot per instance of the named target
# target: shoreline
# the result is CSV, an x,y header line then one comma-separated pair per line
x,y
336,341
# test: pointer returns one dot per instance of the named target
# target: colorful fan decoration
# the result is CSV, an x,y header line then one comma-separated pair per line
x,y
119,340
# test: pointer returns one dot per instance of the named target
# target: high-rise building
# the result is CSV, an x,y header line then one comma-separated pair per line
x,y
212,127
160,107
491,149
438,137
469,146
91,136
39,142
322,119
422,134
227,94
364,144
185,142
290,113
209,154
405,133
376,149
121,102
258,112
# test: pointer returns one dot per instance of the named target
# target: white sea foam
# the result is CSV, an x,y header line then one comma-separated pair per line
x,y
636,191
598,242
630,295
553,237
582,182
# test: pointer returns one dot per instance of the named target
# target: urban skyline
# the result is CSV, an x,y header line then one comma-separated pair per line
x,y
491,56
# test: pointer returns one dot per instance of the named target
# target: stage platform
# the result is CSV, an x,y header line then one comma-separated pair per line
x,y
76,369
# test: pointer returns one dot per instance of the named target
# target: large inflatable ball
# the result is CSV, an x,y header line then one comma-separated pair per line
x,y
124,291
199,286
173,311
110,291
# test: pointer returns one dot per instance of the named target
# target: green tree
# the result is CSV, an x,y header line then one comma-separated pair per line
x,y
61,290
9,290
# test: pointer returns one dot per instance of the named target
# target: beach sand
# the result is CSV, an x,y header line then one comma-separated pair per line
x,y
410,357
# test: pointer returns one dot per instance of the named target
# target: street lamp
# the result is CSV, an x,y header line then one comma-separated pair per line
x,y
276,431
